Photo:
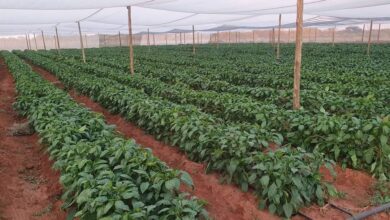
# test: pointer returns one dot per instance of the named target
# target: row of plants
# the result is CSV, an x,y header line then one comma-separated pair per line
x,y
285,179
348,74
104,175
366,107
354,142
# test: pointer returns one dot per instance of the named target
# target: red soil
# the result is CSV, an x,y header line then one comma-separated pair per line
x,y
29,188
228,201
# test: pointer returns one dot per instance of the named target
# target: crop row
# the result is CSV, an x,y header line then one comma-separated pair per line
x,y
355,142
285,179
104,175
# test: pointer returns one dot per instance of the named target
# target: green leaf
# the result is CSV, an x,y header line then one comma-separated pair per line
x,y
173,184
319,193
121,205
288,210
264,180
297,182
144,186
354,160
186,178
384,140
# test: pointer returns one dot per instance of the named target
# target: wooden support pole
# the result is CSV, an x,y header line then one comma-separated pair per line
x,y
289,32
58,41
55,42
35,41
43,39
369,40
148,40
175,38
86,40
379,34
81,42
131,55
333,35
193,39
180,39
28,46
253,36
120,39
29,41
184,37
298,56
279,28
154,40
364,27
217,39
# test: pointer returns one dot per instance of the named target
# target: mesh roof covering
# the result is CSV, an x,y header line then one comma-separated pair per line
x,y
102,16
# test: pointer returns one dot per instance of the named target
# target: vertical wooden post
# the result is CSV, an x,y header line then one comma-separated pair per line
x,y
35,40
58,41
298,55
369,39
253,36
55,42
379,34
333,35
364,27
119,38
86,40
28,46
217,39
279,28
288,37
81,42
175,38
131,55
180,39
184,37
154,40
43,39
193,39
148,38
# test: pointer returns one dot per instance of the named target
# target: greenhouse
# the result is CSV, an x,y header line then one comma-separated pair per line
x,y
195,109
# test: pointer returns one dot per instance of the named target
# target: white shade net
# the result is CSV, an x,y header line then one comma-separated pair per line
x,y
102,16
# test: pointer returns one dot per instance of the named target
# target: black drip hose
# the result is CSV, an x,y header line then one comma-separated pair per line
x,y
370,212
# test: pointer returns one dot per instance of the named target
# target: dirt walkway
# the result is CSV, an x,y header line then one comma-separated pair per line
x,y
29,188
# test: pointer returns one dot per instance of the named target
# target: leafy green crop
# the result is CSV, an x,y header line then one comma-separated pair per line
x,y
233,149
104,176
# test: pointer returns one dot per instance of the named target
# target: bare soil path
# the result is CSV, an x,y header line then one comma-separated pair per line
x,y
29,188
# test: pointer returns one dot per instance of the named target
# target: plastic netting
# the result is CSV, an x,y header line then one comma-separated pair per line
x,y
101,16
